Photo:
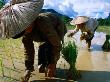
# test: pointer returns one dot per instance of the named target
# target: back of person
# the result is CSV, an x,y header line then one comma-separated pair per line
x,y
48,21
48,28
92,24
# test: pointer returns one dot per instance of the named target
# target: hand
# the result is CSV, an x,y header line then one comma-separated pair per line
x,y
83,36
70,35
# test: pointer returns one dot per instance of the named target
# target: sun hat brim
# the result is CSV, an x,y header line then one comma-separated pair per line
x,y
79,20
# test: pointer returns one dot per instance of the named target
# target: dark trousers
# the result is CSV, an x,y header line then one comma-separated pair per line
x,y
45,54
29,51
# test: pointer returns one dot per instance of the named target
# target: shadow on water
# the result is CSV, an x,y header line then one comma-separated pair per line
x,y
61,76
87,76
95,76
96,60
97,47
52,80
106,50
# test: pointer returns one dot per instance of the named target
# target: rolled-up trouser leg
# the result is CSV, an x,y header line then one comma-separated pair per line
x,y
29,51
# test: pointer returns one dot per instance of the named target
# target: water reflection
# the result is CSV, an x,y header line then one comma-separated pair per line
x,y
96,59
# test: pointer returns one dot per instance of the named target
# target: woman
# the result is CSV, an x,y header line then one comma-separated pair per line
x,y
87,26
49,31
17,15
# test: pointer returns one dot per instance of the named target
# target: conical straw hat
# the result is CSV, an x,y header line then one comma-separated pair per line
x,y
79,20
18,17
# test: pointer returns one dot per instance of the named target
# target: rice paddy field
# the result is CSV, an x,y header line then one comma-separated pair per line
x,y
12,58
105,29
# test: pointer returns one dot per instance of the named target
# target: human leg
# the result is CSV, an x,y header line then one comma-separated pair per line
x,y
89,44
53,38
44,56
29,51
29,56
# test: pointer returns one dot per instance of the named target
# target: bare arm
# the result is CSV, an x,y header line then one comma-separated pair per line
x,y
72,33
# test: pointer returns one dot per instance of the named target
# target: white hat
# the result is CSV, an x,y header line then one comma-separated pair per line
x,y
79,20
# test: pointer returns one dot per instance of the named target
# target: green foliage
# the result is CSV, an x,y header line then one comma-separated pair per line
x,y
1,3
105,29
70,27
65,19
106,45
8,43
69,52
104,22
11,47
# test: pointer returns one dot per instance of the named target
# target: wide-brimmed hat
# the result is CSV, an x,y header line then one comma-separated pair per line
x,y
14,23
79,20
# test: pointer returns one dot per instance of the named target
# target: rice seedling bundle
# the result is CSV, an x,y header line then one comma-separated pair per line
x,y
70,52
106,45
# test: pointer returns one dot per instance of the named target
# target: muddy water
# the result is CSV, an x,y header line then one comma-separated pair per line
x,y
94,59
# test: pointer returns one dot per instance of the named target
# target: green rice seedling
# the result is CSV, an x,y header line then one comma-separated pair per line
x,y
1,67
106,45
70,52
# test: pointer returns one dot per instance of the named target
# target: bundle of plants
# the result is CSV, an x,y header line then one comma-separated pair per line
x,y
106,45
70,52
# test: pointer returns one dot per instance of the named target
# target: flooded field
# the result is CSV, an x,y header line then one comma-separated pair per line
x,y
94,64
